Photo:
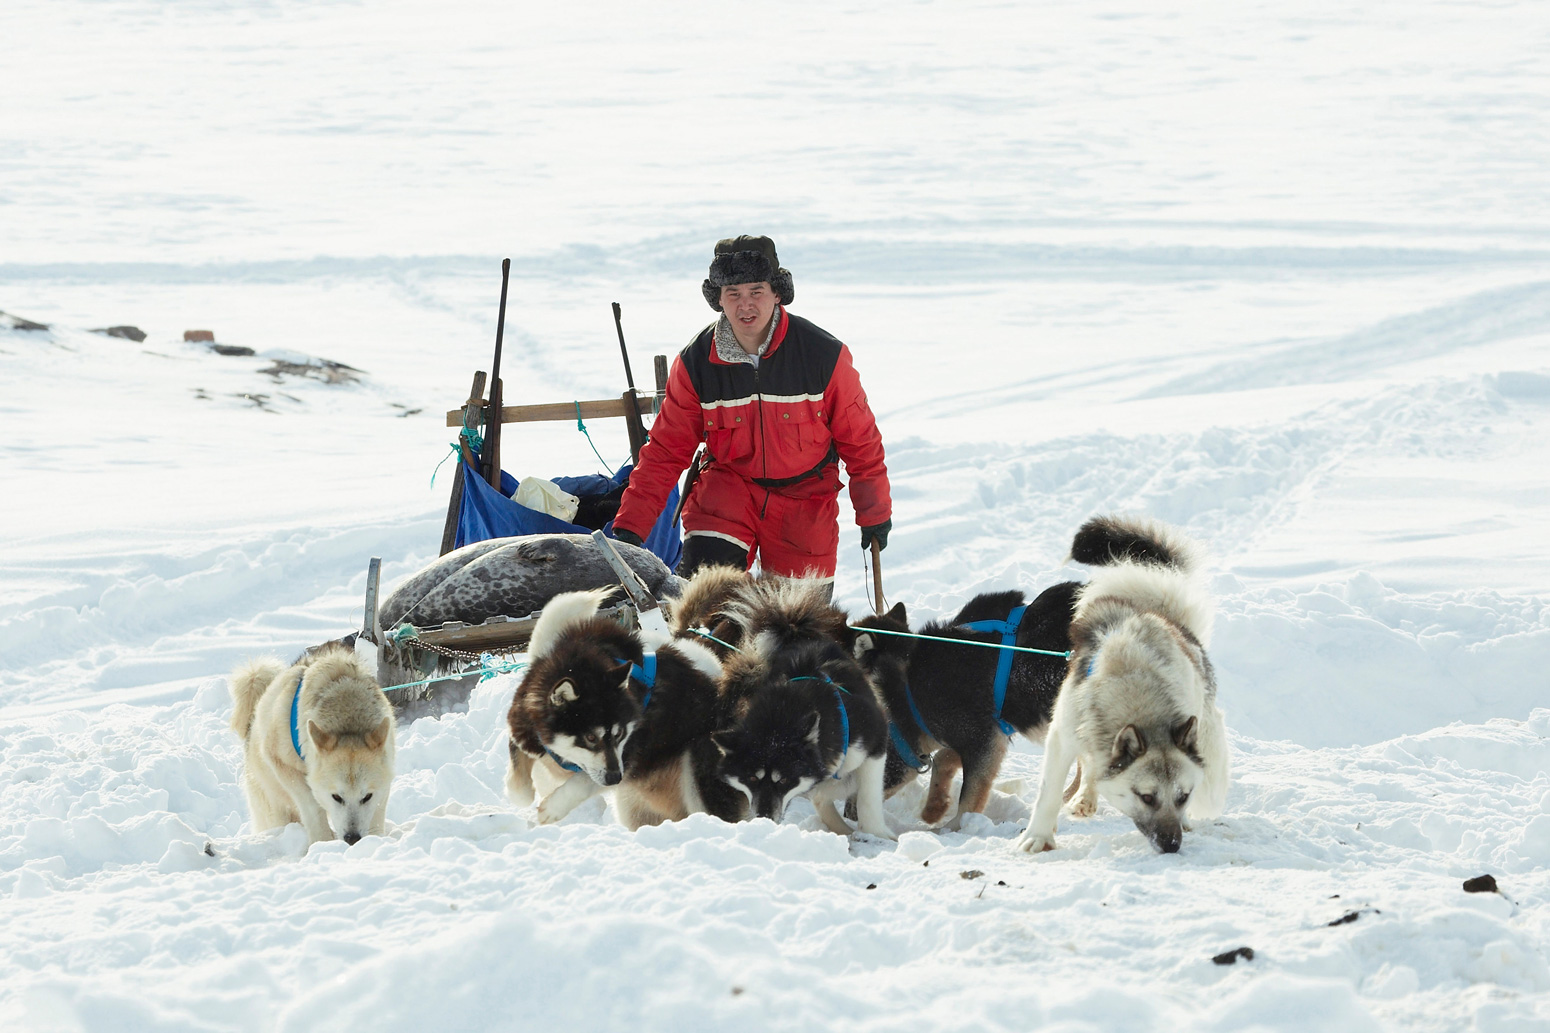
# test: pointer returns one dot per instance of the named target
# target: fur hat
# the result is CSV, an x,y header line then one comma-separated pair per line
x,y
746,260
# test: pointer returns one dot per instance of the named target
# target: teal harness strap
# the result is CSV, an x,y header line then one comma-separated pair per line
x,y
295,709
844,715
1007,629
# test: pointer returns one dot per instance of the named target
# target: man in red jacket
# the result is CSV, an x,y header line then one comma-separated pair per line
x,y
778,404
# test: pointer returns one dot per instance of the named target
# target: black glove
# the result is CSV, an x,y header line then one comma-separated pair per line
x,y
629,538
877,533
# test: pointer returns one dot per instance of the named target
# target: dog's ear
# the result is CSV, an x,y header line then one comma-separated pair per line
x,y
814,727
563,693
863,645
378,735
898,614
1128,745
324,741
1184,735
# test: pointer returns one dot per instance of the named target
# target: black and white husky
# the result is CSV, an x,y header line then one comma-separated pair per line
x,y
1137,710
807,724
958,703
595,709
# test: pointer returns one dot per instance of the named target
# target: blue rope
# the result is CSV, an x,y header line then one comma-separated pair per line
x,y
1064,654
583,428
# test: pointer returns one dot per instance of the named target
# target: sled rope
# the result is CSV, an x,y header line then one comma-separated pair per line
x,y
475,443
488,668
1065,655
705,634
586,434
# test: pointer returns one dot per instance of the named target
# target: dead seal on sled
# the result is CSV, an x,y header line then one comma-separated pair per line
x,y
514,577
510,577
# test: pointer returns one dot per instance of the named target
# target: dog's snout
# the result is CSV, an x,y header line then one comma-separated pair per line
x,y
352,837
1168,842
612,778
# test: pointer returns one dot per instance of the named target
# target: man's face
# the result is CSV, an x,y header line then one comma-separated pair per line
x,y
749,306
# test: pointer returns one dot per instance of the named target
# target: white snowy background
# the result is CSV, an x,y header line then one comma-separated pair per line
x,y
1278,273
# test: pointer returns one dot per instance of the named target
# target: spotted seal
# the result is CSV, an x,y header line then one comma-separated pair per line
x,y
514,577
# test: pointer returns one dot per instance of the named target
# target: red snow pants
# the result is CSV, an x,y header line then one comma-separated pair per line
x,y
794,530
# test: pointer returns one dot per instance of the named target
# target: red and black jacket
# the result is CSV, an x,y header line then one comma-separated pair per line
x,y
770,424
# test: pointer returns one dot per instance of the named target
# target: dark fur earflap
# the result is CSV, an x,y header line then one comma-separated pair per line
x,y
746,260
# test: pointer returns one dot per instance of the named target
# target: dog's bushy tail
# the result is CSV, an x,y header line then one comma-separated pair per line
x,y
1105,540
248,682
707,592
789,610
561,612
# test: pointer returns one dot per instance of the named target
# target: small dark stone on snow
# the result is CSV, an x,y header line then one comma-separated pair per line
x,y
736,990
925,864
18,323
1481,884
972,873
1351,916
128,333
871,885
231,349
210,849
1000,882
1231,957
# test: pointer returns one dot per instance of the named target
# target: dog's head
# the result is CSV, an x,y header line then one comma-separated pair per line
x,y
349,775
1150,777
589,714
772,758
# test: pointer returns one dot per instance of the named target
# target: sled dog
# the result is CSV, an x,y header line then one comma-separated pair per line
x,y
702,607
597,710
1137,709
941,693
807,723
319,743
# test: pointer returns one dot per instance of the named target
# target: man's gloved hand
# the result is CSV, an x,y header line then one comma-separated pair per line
x,y
628,537
878,533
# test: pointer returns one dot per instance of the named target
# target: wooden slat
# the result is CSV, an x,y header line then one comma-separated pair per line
x,y
550,411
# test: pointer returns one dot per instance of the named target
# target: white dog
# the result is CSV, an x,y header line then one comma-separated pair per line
x,y
320,744
1137,710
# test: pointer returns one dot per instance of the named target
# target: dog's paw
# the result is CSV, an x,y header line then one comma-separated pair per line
x,y
1035,842
1083,806
551,810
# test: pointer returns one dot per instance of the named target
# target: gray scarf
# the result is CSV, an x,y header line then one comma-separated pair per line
x,y
726,341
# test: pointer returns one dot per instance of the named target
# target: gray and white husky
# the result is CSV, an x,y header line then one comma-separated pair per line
x,y
1137,710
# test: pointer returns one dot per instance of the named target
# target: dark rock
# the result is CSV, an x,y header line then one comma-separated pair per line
x,y
231,349
326,370
1481,884
1231,957
18,323
972,873
128,333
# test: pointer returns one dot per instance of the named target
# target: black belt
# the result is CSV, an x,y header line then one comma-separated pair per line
x,y
833,456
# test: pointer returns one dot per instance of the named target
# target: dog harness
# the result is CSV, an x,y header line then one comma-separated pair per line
x,y
844,716
1008,632
295,708
644,672
906,752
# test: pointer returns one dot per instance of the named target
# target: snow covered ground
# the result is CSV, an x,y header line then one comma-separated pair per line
x,y
1277,273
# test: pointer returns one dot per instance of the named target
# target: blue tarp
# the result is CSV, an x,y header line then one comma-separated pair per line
x,y
486,513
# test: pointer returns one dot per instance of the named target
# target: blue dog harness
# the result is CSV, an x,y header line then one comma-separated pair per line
x,y
295,708
844,716
644,672
1007,629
